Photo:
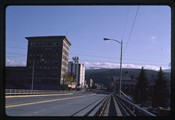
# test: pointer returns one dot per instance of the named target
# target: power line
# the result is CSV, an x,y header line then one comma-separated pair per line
x,y
15,47
125,22
142,55
123,58
143,60
125,63
133,62
75,54
11,54
131,29
97,61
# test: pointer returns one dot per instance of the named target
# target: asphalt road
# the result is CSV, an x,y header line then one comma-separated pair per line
x,y
56,105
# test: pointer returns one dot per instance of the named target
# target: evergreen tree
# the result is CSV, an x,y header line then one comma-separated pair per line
x,y
141,89
160,91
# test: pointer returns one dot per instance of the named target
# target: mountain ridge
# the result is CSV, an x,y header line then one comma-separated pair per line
x,y
104,75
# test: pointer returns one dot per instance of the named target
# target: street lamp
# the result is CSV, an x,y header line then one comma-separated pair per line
x,y
121,43
33,71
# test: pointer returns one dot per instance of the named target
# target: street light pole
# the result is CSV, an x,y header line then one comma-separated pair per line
x,y
120,87
33,72
121,43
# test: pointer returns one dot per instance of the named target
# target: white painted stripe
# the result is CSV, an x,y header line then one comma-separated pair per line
x,y
119,113
40,111
46,101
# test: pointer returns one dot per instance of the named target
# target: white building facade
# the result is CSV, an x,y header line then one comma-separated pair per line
x,y
79,71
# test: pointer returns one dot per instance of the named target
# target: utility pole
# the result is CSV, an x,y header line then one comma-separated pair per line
x,y
121,43
33,72
120,68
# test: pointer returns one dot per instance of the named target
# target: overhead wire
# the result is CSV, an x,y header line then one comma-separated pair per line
x,y
12,54
125,24
8,46
131,29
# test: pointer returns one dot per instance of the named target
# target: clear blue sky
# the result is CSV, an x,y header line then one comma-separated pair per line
x,y
86,26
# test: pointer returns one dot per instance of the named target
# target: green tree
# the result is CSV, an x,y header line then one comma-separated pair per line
x,y
69,78
160,90
141,89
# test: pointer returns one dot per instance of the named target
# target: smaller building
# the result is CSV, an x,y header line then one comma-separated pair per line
x,y
90,83
15,78
78,70
127,84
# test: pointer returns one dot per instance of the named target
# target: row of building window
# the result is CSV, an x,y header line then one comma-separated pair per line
x,y
44,43
41,67
64,58
44,61
64,63
45,50
64,70
43,55
43,81
65,52
45,74
127,86
66,45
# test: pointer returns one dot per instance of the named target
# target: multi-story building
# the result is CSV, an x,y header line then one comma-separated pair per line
x,y
82,75
127,84
79,71
47,61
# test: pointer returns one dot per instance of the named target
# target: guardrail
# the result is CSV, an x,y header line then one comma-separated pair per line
x,y
131,109
125,96
100,108
10,92
92,109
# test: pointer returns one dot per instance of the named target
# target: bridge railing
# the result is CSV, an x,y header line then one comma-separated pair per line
x,y
131,109
126,96
10,92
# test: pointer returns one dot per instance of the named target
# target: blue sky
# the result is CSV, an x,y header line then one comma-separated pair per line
x,y
86,26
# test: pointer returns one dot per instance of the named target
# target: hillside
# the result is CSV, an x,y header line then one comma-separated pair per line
x,y
103,76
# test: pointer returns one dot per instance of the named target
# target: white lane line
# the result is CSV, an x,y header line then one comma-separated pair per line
x,y
119,113
40,111
46,101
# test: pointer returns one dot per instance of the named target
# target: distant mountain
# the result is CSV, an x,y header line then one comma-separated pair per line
x,y
167,70
104,75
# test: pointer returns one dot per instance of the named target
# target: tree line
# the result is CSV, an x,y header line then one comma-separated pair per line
x,y
156,95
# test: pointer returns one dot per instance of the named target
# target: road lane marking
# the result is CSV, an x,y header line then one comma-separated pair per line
x,y
40,111
46,101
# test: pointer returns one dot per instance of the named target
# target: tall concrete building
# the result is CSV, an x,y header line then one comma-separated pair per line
x,y
47,61
79,71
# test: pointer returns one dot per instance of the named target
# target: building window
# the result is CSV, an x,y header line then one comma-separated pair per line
x,y
49,43
126,72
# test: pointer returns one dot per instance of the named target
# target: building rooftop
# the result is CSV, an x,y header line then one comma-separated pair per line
x,y
58,37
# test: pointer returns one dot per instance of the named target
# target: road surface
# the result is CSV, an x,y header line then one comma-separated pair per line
x,y
52,105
